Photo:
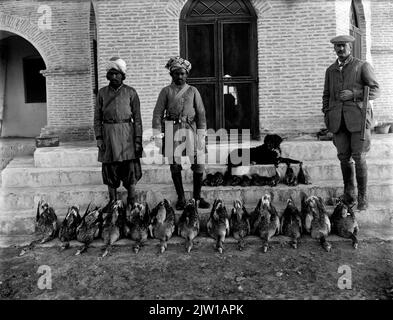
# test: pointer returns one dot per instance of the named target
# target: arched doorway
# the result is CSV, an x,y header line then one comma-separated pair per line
x,y
219,38
23,110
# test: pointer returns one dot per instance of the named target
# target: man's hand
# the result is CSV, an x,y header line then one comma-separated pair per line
x,y
138,147
158,140
101,145
346,95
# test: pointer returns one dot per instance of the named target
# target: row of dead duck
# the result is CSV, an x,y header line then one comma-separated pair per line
x,y
289,178
115,221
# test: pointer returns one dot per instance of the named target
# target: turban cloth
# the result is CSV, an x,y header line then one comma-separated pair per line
x,y
117,64
177,63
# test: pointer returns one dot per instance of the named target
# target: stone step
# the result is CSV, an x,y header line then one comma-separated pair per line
x,y
22,222
22,173
63,196
84,154
10,148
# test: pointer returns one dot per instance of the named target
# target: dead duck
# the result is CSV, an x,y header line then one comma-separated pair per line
x,y
344,222
218,224
136,226
89,228
290,178
46,225
291,223
266,222
303,177
240,222
67,230
162,223
112,226
189,225
315,219
274,180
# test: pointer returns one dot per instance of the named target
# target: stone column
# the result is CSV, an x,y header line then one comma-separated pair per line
x,y
3,75
70,104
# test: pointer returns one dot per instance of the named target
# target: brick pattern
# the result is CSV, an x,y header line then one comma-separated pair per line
x,y
382,53
293,53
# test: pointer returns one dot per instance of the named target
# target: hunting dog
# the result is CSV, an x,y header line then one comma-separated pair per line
x,y
267,153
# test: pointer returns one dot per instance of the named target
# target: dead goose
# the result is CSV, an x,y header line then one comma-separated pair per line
x,y
218,224
89,228
112,225
67,230
46,226
344,222
239,223
188,226
291,225
136,226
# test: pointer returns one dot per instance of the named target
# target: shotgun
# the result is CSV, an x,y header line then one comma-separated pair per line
x,y
366,93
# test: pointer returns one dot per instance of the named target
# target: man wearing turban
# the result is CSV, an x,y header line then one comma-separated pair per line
x,y
118,131
179,111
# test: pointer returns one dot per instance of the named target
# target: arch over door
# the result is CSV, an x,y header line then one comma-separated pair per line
x,y
219,38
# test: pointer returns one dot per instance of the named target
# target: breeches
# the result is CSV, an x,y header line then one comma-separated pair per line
x,y
129,172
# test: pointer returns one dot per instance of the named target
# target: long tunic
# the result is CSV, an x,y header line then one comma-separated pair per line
x,y
189,108
354,76
118,136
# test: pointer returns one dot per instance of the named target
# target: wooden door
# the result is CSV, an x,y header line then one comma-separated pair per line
x,y
221,44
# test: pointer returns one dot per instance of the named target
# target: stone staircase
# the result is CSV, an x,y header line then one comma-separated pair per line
x,y
14,147
70,174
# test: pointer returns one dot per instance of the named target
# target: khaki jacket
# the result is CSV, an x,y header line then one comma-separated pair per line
x,y
188,108
354,76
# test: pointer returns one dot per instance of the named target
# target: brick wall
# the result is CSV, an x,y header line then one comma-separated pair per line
x,y
65,48
293,51
145,35
382,53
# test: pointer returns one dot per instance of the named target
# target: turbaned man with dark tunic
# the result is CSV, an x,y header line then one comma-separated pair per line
x,y
118,131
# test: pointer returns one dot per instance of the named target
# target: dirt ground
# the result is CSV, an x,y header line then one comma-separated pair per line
x,y
281,273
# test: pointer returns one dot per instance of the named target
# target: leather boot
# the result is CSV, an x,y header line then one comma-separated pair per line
x,y
177,181
361,178
348,173
197,184
112,196
131,196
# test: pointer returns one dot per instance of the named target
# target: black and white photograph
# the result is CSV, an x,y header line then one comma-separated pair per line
x,y
196,155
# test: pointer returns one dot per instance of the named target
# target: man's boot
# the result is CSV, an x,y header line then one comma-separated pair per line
x,y
177,181
361,178
348,173
197,184
131,196
112,195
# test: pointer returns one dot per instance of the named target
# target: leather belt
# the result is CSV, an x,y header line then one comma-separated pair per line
x,y
119,121
180,119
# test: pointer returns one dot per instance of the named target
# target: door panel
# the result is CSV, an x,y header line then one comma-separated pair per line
x,y
237,106
207,92
219,38
200,50
236,49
